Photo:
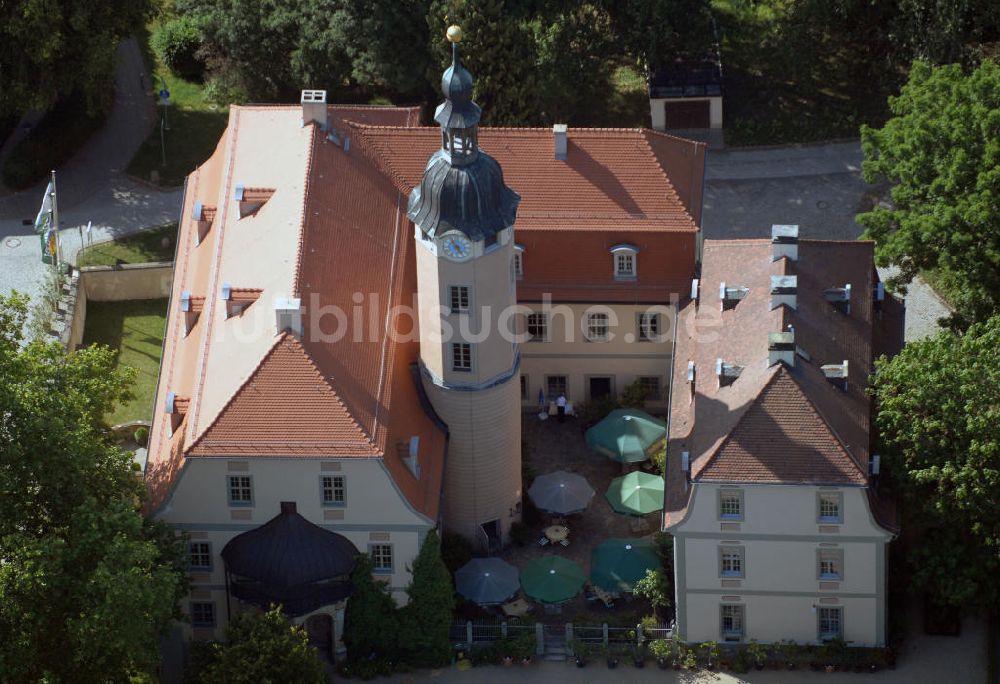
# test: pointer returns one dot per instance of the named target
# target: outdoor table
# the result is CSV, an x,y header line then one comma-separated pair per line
x,y
516,608
556,533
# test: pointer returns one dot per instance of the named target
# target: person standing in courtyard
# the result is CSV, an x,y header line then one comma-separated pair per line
x,y
561,407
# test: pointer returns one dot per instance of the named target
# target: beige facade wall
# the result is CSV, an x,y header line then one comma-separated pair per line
x,y
373,512
483,475
622,358
127,282
780,540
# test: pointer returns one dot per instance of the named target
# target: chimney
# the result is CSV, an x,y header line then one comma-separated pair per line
x,y
781,347
783,291
288,315
288,507
560,136
784,242
314,108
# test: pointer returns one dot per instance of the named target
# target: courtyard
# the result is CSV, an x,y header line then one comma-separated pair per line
x,y
551,445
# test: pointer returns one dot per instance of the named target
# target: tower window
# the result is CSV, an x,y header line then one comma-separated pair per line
x,y
459,299
461,356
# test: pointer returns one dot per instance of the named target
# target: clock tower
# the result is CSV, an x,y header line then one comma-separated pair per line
x,y
463,215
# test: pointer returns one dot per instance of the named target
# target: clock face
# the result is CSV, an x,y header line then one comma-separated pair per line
x,y
457,247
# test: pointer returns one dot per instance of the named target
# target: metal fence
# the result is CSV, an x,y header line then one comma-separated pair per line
x,y
487,631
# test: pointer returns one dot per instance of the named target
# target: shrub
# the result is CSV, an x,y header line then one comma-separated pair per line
x,y
141,436
176,43
427,617
742,662
456,551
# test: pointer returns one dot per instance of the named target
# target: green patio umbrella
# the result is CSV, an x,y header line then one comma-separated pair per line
x,y
617,564
637,493
552,579
626,435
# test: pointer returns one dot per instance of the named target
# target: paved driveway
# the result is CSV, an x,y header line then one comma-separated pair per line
x,y
818,187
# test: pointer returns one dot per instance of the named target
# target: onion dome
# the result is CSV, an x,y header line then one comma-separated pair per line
x,y
462,188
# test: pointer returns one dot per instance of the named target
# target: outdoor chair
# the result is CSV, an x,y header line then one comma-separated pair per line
x,y
564,542
544,541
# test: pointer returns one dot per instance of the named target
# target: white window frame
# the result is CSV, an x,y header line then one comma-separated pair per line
x,y
245,482
642,327
737,615
200,548
333,487
736,494
827,558
460,361
379,551
626,262
823,516
828,614
203,623
459,299
735,557
540,322
593,323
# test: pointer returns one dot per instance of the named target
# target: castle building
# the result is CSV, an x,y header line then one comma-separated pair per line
x,y
362,307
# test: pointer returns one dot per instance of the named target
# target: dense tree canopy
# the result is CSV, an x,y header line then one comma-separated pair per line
x,y
941,152
938,416
49,49
371,625
87,588
260,648
426,619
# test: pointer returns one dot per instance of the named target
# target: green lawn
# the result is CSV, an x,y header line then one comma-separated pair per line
x,y
136,330
195,127
140,248
790,78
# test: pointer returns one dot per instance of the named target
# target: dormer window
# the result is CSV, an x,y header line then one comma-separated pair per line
x,y
191,307
625,261
839,297
731,296
727,372
237,299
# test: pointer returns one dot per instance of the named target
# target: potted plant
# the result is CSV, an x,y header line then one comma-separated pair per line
x,y
789,651
679,653
580,651
609,657
710,649
690,659
660,648
638,656
525,648
757,653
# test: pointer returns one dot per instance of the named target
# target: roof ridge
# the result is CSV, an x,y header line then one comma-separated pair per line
x,y
307,186
664,134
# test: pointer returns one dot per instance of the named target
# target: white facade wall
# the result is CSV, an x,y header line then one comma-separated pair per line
x,y
374,511
659,118
780,538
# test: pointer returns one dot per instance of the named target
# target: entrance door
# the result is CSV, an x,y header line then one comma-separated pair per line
x,y
319,628
600,388
491,533
687,114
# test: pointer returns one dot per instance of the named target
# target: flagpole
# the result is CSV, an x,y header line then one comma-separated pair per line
x,y
55,219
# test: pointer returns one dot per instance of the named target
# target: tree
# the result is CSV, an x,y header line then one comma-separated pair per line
x,y
657,588
87,587
370,621
50,49
938,417
427,618
260,648
940,153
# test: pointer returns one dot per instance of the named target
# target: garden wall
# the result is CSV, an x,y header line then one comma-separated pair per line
x,y
115,284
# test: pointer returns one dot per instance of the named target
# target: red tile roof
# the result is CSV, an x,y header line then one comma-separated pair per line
x,y
773,424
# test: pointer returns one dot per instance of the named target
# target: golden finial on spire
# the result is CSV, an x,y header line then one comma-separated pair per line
x,y
454,33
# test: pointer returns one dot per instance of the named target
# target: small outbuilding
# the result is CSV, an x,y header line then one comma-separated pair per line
x,y
686,95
